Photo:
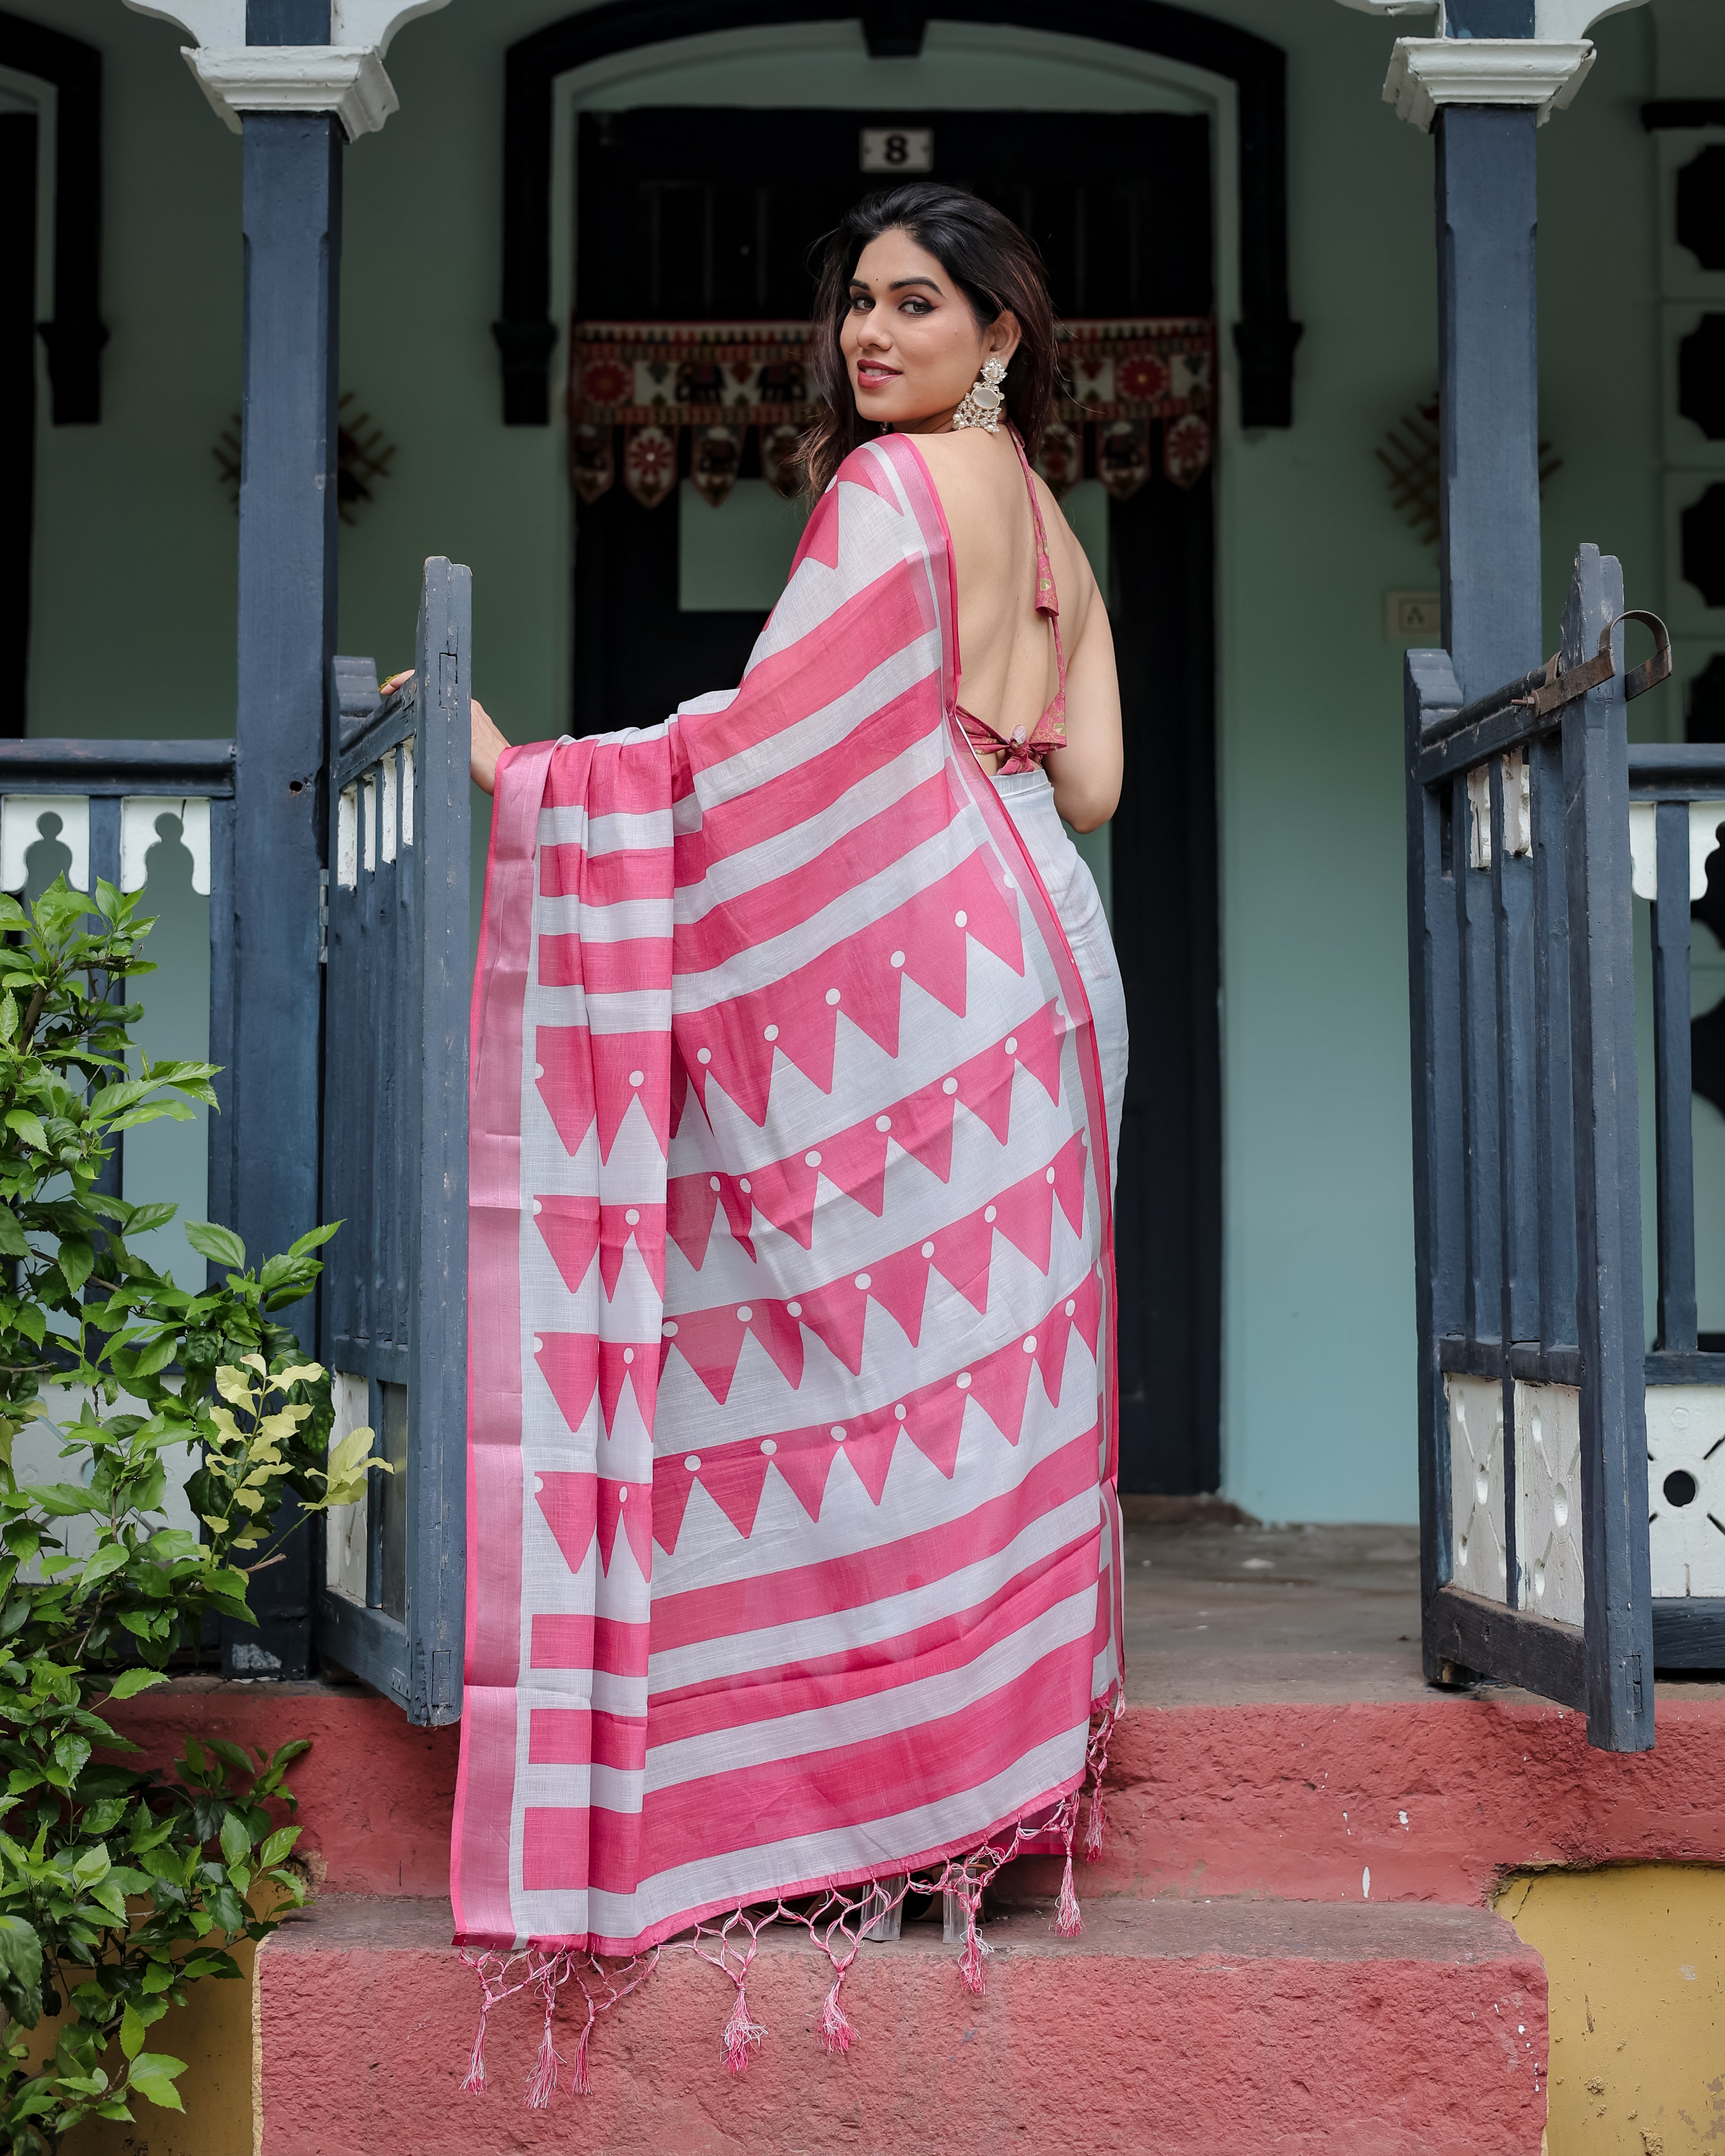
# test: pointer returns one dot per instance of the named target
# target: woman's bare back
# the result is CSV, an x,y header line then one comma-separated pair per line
x,y
1006,648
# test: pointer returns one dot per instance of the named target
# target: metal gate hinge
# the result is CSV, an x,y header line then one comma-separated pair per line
x,y
323,916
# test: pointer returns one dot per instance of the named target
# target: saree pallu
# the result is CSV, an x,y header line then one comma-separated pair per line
x,y
793,1544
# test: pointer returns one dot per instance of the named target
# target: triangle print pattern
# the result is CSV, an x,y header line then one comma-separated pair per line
x,y
791,1560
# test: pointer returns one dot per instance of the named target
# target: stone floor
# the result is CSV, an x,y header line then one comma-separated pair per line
x,y
1222,1611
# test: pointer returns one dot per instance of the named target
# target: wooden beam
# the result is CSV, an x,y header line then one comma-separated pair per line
x,y
1472,1635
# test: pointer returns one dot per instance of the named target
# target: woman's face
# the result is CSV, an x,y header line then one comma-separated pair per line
x,y
909,338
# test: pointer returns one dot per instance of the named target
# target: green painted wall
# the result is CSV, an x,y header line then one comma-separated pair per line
x,y
134,628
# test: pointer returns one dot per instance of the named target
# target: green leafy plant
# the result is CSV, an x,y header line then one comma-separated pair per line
x,y
119,1885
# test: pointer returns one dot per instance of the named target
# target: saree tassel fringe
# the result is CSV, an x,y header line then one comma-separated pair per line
x,y
543,2086
498,1981
1069,1917
836,2033
972,1964
743,2034
579,2084
1095,1767
473,2082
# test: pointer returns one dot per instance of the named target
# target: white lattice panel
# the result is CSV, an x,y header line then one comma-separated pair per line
x,y
344,1533
1686,1488
1476,1485
1549,1500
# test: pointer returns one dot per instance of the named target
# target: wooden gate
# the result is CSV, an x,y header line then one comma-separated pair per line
x,y
394,1307
1533,1365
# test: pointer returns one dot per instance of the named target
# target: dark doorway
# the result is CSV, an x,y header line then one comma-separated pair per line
x,y
18,410
711,214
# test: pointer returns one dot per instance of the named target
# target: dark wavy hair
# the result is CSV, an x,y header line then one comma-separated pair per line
x,y
996,267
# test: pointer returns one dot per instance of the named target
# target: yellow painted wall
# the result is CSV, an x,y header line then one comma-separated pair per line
x,y
1636,1955
212,2033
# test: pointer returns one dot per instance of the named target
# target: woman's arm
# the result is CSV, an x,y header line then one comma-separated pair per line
x,y
1086,772
488,743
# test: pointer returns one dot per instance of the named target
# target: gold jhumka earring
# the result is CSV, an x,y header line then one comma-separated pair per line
x,y
983,401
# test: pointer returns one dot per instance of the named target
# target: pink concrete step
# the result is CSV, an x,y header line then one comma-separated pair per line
x,y
1226,2028
1302,1793
1429,1797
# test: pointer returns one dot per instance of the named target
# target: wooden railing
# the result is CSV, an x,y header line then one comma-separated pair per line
x,y
108,796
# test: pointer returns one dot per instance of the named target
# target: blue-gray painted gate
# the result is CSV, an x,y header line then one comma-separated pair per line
x,y
1527,1145
1527,1167
394,1307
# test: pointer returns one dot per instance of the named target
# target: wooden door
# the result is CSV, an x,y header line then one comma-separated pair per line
x,y
714,215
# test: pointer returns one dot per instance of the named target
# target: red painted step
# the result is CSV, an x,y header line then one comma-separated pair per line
x,y
1298,1796
1430,1798
1227,2028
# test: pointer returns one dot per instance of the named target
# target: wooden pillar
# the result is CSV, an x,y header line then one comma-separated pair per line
x,y
292,218
1489,396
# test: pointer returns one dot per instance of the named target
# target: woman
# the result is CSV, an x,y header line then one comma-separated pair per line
x,y
799,1047
921,289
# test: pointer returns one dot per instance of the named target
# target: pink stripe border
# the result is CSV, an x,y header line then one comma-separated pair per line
x,y
484,1786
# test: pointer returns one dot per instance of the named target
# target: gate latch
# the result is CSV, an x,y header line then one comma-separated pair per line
x,y
1558,688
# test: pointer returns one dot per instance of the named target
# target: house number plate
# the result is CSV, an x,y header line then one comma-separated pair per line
x,y
898,149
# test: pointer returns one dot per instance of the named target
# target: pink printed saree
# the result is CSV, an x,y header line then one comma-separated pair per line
x,y
793,1534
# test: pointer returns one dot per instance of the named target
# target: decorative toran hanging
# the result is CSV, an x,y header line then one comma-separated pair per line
x,y
634,387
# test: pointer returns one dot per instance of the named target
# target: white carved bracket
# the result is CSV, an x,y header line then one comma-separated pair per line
x,y
1543,71
349,81
370,23
346,77
1563,20
138,815
204,22
374,22
20,821
1706,819
1425,73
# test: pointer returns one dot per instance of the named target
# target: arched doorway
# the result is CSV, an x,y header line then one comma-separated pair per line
x,y
719,113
